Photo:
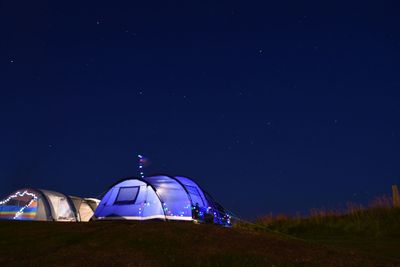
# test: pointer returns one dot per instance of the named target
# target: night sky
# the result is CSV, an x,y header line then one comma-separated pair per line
x,y
272,107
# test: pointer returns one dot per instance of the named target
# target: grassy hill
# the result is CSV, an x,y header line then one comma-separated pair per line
x,y
130,243
374,231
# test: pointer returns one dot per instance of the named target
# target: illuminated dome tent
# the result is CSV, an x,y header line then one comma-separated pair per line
x,y
160,197
43,205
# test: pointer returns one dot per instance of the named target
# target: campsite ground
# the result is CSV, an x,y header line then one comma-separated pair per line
x,y
123,243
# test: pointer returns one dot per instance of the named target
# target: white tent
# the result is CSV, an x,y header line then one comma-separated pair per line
x,y
85,207
45,205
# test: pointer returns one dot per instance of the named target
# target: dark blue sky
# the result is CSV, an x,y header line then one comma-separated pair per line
x,y
279,106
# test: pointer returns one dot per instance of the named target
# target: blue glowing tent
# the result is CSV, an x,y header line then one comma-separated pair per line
x,y
160,197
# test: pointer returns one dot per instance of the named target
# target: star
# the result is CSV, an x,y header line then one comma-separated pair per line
x,y
132,34
302,19
11,61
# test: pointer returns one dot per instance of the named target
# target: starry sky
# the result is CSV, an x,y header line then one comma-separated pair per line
x,y
272,106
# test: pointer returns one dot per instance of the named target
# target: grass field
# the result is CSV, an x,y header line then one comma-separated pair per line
x,y
130,243
374,232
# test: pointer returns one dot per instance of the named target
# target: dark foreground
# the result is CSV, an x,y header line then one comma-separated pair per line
x,y
165,244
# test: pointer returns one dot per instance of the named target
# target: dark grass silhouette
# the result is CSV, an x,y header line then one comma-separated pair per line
x,y
128,243
357,236
372,231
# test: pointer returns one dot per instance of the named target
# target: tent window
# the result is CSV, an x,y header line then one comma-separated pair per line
x,y
127,195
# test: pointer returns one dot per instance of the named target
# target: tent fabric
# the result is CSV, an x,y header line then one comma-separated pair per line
x,y
23,205
85,207
62,208
146,206
85,212
196,194
159,197
43,205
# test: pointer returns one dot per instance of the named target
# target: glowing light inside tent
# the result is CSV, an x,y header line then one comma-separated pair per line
x,y
21,211
32,202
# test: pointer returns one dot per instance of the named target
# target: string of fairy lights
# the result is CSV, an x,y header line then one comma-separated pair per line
x,y
141,165
19,194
